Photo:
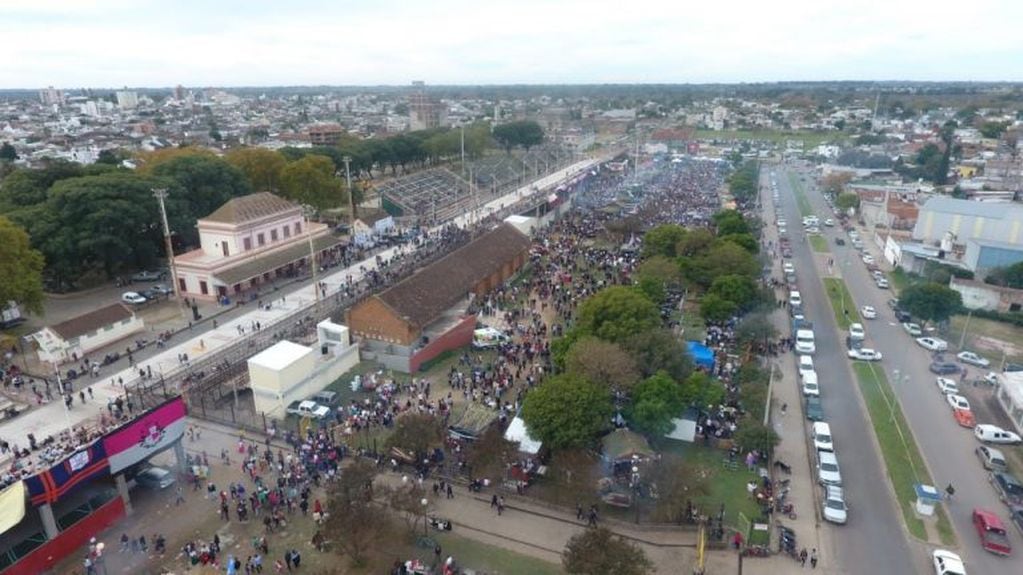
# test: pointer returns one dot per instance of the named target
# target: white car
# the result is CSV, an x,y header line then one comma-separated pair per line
x,y
947,386
947,563
810,385
856,331
881,283
833,507
788,268
864,354
932,343
912,329
805,343
131,297
829,222
957,402
868,312
828,472
805,364
795,299
993,434
972,359
868,259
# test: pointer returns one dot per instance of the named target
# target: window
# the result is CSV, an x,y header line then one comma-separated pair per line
x,y
298,228
287,231
227,251
182,285
273,235
260,239
247,242
204,289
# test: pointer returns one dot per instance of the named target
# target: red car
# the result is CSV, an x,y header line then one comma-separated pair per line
x,y
991,532
964,417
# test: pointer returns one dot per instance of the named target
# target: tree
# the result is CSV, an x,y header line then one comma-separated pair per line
x,y
109,156
730,222
352,512
407,501
200,185
695,243
148,161
262,167
659,350
567,410
598,551
603,363
740,290
491,453
744,241
661,270
310,181
661,241
755,329
655,402
416,432
715,308
21,267
754,435
1009,276
678,483
7,152
930,301
524,134
28,187
616,313
835,183
847,200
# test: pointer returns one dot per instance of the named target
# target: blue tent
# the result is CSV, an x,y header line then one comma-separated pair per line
x,y
702,355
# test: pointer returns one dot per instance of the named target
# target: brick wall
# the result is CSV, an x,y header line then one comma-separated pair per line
x,y
373,319
458,336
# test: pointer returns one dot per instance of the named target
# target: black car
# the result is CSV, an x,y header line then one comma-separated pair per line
x,y
944,367
839,242
1009,489
1016,516
813,408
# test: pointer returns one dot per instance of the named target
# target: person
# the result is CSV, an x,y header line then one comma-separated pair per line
x,y
802,557
950,491
813,559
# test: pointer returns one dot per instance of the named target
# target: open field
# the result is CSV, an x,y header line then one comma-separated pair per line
x,y
994,340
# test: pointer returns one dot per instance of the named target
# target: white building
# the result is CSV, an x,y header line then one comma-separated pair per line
x,y
249,241
72,339
127,100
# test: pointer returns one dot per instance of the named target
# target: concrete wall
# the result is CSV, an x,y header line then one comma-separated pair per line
x,y
62,350
322,372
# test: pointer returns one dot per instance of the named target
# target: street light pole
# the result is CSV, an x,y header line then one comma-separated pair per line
x,y
161,194
351,196
312,256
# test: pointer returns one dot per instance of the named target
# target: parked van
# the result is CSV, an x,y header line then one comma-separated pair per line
x,y
805,364
488,337
795,299
820,433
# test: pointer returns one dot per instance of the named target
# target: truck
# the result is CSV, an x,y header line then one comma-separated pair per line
x,y
10,316
309,409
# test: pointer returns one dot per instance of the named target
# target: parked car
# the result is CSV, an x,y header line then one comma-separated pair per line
x,y
947,563
327,398
828,472
856,331
972,359
964,417
162,289
882,283
956,401
155,478
309,409
839,242
932,343
988,433
868,259
805,364
1008,488
943,367
813,409
810,385
795,299
148,276
991,458
868,312
946,385
133,298
902,316
912,329
864,354
991,531
833,507
820,434
1016,516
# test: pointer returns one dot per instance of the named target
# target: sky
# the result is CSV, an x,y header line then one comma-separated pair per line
x,y
147,43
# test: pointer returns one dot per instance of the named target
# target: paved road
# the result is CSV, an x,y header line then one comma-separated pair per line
x,y
874,540
947,447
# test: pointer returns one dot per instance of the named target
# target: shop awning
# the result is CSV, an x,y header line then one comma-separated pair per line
x,y
273,260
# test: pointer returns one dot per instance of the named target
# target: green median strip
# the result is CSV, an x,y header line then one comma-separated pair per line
x,y
801,201
841,302
819,244
902,457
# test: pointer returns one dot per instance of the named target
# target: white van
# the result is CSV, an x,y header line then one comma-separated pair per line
x,y
820,433
810,385
487,337
805,364
795,298
805,342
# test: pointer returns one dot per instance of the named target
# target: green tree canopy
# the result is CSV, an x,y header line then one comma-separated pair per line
x,y
416,432
615,313
523,134
655,402
740,290
21,267
201,184
567,411
730,222
7,152
930,301
847,200
656,350
1009,276
603,363
754,435
598,551
661,241
27,187
310,180
716,308
262,167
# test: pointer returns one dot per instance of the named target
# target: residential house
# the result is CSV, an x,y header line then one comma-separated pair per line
x,y
72,339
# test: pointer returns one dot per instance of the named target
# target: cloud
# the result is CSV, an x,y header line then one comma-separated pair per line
x,y
74,43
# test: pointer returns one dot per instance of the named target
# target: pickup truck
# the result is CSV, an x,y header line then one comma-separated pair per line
x,y
309,409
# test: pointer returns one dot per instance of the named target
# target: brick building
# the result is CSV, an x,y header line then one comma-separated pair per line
x,y
424,315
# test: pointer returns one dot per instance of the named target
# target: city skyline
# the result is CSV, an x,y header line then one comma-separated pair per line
x,y
113,43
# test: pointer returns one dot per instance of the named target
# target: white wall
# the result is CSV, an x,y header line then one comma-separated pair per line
x,y
58,350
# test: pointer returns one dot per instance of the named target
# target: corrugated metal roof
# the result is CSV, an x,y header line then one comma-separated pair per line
x,y
948,205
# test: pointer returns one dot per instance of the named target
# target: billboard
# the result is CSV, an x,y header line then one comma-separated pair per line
x,y
12,506
60,479
148,434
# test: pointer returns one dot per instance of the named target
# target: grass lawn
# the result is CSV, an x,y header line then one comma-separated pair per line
x,y
841,302
487,558
726,486
804,204
898,448
819,244
899,279
989,338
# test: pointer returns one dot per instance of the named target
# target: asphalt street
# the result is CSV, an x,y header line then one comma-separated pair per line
x,y
874,540
947,447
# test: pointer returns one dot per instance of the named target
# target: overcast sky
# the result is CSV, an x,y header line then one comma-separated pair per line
x,y
114,43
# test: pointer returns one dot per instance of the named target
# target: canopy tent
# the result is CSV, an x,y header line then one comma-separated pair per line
x,y
702,355
622,444
518,433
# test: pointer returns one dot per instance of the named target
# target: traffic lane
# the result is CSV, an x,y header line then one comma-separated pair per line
x,y
946,447
873,541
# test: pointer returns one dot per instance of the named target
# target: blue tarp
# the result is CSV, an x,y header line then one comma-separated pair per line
x,y
702,355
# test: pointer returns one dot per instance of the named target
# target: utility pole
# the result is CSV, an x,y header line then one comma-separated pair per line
x,y
312,254
351,196
462,126
161,194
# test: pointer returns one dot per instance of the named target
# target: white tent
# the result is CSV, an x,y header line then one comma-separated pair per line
x,y
518,433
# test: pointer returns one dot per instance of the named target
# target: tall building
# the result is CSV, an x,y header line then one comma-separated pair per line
x,y
325,134
127,100
51,96
425,112
179,92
